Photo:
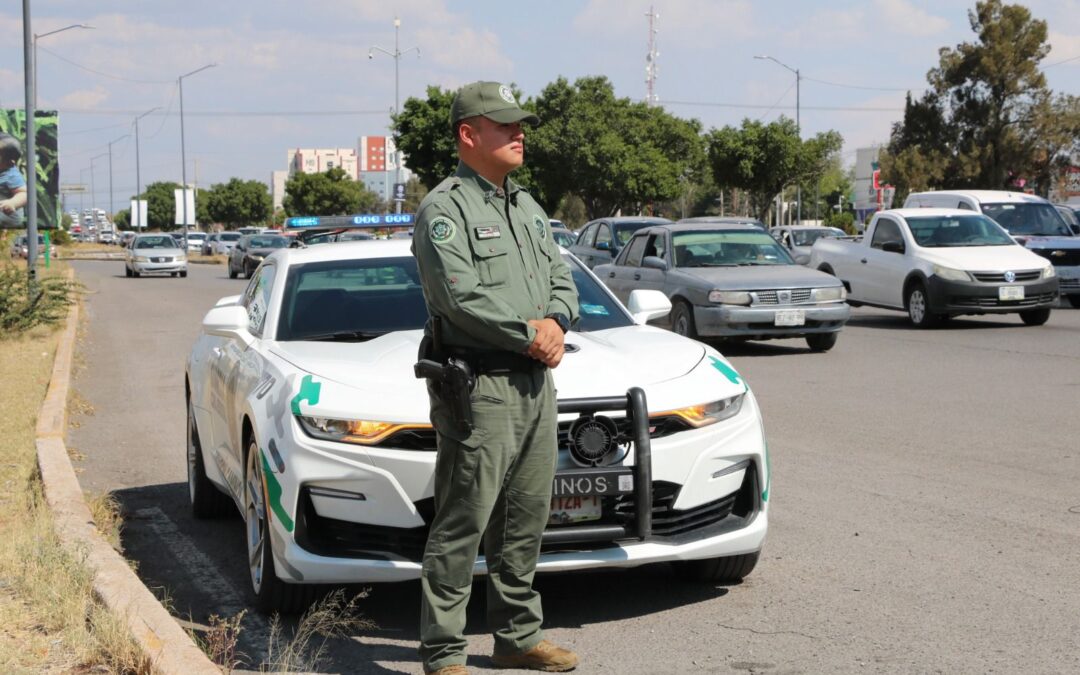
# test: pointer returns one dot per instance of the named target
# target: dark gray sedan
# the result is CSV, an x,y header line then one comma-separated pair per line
x,y
250,250
729,281
599,241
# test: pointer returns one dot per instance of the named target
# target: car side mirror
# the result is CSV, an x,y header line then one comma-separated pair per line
x,y
228,321
645,306
603,246
802,259
654,263
893,247
1075,229
228,300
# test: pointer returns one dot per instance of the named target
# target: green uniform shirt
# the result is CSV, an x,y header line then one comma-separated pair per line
x,y
488,263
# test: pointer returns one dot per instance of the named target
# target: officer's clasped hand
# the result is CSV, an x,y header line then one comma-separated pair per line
x,y
547,346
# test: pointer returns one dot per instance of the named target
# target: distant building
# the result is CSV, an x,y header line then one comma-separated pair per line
x,y
311,160
373,162
870,195
277,187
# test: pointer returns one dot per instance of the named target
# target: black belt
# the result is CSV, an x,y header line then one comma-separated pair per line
x,y
483,362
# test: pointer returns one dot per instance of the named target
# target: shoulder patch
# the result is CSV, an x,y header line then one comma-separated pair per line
x,y
442,229
541,226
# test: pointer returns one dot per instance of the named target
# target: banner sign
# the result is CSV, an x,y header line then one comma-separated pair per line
x,y
137,219
14,164
180,206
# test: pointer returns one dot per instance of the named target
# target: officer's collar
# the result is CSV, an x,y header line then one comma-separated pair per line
x,y
490,190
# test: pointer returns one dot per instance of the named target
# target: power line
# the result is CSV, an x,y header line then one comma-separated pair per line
x,y
98,72
87,131
747,106
859,86
231,113
782,96
1058,63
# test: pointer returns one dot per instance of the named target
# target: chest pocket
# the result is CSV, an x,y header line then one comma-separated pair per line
x,y
492,260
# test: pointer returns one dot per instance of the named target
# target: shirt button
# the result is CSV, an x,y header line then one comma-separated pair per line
x,y
491,250
540,307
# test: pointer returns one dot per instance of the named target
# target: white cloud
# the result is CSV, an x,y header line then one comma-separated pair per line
x,y
907,19
1063,47
681,20
83,98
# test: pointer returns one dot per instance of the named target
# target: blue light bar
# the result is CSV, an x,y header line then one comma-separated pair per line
x,y
359,221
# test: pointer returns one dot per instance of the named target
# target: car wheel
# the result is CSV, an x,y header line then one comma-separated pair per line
x,y
206,500
822,342
1035,317
172,274
127,271
1074,300
248,271
135,274
183,275
232,272
730,569
271,593
682,320
918,307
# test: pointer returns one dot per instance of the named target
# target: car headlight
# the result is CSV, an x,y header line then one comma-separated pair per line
x,y
181,258
949,274
730,297
828,294
708,413
361,432
1049,272
141,258
254,256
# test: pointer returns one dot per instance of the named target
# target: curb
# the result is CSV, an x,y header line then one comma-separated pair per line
x,y
168,647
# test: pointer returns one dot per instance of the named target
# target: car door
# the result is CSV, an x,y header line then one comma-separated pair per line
x,y
622,276
884,271
650,278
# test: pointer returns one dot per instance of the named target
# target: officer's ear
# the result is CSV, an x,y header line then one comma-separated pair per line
x,y
465,132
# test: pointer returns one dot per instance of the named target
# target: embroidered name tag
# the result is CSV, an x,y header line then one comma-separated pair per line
x,y
488,232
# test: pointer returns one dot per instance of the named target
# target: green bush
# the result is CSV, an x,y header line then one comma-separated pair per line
x,y
20,310
845,221
59,237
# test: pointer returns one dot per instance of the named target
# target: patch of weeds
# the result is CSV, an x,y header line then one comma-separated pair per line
x,y
331,617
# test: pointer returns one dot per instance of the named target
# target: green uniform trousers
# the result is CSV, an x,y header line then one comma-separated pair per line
x,y
495,484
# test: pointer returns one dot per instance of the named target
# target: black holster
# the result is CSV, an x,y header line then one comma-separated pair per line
x,y
454,378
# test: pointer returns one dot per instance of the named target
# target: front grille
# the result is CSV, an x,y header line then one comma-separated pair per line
x,y
999,277
1068,257
991,301
772,297
1069,284
160,260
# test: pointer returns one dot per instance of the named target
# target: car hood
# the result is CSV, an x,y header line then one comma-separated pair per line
x,y
760,277
1069,243
377,376
988,258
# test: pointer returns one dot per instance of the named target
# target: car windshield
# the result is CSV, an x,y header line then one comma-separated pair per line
x,y
230,236
195,235
164,241
726,248
1028,218
355,236
623,231
945,231
268,242
808,237
1069,215
563,238
361,299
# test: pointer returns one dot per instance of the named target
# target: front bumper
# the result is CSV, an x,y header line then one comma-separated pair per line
x,y
1068,279
759,322
158,267
968,297
708,499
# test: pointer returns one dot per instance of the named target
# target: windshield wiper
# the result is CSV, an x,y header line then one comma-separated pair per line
x,y
342,336
715,265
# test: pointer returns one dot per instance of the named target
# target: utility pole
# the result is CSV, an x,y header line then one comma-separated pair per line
x,y
183,158
112,210
137,215
396,55
798,129
651,68
29,78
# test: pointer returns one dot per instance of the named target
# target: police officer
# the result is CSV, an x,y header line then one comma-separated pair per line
x,y
493,276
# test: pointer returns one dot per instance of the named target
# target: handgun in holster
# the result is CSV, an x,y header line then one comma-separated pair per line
x,y
453,376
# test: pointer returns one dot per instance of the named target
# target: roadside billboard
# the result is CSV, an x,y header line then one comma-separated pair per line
x,y
14,165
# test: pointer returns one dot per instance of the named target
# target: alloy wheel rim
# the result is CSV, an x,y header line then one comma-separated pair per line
x,y
681,324
918,306
255,517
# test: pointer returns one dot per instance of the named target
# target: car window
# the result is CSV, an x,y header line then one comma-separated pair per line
x,y
603,235
587,236
635,251
267,242
887,230
964,206
563,238
727,248
164,241
1028,218
656,246
808,237
230,236
257,298
945,231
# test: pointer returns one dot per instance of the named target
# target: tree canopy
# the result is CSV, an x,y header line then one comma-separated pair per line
x,y
239,202
422,132
161,206
330,193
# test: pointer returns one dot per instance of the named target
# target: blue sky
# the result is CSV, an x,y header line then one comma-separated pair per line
x,y
285,57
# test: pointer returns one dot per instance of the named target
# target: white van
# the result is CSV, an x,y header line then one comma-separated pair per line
x,y
1031,220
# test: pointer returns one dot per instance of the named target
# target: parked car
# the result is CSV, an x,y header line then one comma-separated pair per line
x,y
126,237
155,254
225,243
1071,214
599,241
799,239
250,251
354,235
321,434
195,240
248,230
729,281
726,220
1030,220
20,247
939,263
563,237
207,247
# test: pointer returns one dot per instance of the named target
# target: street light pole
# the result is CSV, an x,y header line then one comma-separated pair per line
x,y
93,190
183,157
52,32
396,55
112,211
798,129
138,184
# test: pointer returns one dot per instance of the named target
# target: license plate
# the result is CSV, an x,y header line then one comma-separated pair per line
x,y
569,510
590,482
1011,293
790,317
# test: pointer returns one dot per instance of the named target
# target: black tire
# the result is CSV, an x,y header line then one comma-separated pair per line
x,y
271,593
127,271
232,272
206,500
248,271
917,303
822,342
682,320
172,274
183,275
135,274
728,570
827,270
1035,317
1074,300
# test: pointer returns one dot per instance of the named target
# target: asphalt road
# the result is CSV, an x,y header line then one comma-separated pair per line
x,y
925,517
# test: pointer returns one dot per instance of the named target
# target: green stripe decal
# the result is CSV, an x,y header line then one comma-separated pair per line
x,y
309,391
273,489
728,372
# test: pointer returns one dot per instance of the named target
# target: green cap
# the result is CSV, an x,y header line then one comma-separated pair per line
x,y
493,100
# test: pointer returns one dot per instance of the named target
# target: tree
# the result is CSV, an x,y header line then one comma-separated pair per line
x,y
763,158
1055,139
331,193
161,206
415,191
422,132
121,218
239,202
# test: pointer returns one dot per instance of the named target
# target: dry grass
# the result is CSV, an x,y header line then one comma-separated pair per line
x,y
105,510
331,617
200,259
50,620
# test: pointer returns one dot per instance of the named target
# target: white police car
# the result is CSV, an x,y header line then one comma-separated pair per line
x,y
304,412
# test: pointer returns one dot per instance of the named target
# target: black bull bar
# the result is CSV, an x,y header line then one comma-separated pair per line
x,y
637,412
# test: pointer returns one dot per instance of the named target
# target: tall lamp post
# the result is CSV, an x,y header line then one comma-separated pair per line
x,y
396,55
112,211
798,129
93,190
183,157
52,32
138,184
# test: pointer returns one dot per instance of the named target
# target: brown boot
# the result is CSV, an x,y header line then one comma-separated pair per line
x,y
456,669
544,656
